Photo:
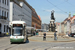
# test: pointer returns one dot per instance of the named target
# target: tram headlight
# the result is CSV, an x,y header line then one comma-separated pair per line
x,y
11,37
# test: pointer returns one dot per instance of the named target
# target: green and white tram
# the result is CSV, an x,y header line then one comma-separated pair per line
x,y
18,31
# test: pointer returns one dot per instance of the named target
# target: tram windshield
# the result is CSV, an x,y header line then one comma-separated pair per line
x,y
17,25
17,31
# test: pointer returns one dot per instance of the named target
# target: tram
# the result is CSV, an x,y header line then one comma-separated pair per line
x,y
18,31
30,31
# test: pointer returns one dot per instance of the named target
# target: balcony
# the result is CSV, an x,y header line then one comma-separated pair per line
x,y
3,17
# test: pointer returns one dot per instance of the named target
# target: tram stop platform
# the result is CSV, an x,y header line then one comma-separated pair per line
x,y
51,39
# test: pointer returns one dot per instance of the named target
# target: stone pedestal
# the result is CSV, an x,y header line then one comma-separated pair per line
x,y
52,26
48,34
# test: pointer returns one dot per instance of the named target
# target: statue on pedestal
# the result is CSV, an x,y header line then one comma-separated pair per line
x,y
52,15
52,25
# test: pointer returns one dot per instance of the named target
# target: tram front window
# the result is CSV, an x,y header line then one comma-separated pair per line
x,y
17,32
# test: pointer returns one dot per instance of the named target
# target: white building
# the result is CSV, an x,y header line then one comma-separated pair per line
x,y
73,24
4,16
58,27
69,24
20,9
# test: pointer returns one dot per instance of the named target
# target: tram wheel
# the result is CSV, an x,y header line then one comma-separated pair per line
x,y
11,43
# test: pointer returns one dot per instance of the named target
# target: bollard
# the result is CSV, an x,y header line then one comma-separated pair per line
x,y
44,36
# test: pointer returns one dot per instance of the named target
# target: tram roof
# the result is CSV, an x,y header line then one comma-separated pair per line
x,y
18,22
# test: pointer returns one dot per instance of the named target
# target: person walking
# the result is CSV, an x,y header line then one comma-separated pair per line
x,y
55,36
44,36
7,34
36,32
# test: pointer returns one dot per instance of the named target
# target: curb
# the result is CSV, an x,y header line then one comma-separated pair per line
x,y
71,40
51,41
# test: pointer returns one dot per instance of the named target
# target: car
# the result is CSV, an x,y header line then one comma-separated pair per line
x,y
72,34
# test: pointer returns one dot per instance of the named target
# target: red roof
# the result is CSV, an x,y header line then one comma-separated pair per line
x,y
39,17
72,19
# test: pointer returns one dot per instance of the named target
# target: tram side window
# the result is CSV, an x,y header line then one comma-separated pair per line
x,y
17,25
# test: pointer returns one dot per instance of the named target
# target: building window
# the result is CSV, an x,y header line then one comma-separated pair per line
x,y
4,28
7,2
2,1
7,14
2,13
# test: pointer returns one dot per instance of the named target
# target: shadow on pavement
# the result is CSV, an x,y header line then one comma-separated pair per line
x,y
4,36
27,41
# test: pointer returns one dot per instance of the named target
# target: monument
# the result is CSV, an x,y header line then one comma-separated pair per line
x,y
52,25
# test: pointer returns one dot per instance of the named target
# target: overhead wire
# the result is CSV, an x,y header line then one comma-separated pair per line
x,y
61,3
70,4
55,6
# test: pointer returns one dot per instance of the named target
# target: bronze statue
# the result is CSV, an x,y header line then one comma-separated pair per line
x,y
52,25
52,15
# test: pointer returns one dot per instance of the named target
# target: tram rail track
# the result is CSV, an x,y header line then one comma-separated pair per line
x,y
11,47
54,46
47,47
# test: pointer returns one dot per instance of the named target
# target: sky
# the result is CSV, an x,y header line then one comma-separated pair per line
x,y
61,8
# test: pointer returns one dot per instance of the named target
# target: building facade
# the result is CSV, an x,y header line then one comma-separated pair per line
x,y
36,20
62,27
45,26
20,10
58,27
73,24
4,16
67,25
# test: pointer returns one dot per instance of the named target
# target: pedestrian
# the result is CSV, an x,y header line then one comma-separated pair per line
x,y
44,36
36,32
7,34
55,36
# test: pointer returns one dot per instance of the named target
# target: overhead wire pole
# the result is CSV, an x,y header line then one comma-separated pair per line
x,y
55,6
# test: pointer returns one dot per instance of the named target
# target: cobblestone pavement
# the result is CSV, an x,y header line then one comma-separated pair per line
x,y
51,39
34,45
